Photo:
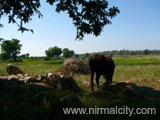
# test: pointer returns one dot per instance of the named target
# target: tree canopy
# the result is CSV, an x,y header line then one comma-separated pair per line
x,y
10,49
25,55
67,53
53,52
89,16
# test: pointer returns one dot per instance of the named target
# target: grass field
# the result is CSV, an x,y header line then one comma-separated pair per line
x,y
34,67
143,70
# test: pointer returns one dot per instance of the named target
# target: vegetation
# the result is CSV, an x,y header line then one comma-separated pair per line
x,y
53,52
89,16
132,52
34,102
29,102
10,49
66,53
34,66
141,70
24,55
124,54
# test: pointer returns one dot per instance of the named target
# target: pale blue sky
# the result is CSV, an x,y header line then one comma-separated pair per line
x,y
137,27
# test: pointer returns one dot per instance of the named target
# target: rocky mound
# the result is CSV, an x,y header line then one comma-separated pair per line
x,y
48,80
130,89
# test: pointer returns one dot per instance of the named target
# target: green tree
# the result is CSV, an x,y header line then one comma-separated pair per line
x,y
67,53
76,56
88,16
146,52
27,55
4,56
24,55
53,52
10,49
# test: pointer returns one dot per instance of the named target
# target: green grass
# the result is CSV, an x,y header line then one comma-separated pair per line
x,y
137,60
147,75
143,70
34,67
40,66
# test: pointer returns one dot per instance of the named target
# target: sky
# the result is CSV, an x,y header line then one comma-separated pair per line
x,y
137,27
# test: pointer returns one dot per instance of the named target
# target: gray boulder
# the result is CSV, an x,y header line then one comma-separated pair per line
x,y
113,87
33,79
65,83
68,83
131,89
13,70
70,101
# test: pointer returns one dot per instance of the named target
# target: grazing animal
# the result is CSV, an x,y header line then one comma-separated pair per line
x,y
101,65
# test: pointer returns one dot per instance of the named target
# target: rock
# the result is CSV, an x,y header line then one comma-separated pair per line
x,y
7,86
113,87
86,83
34,88
155,109
100,94
155,104
131,90
68,83
6,82
44,85
60,74
15,79
70,101
39,98
20,76
12,77
11,69
65,83
43,77
52,79
25,75
3,76
149,92
33,79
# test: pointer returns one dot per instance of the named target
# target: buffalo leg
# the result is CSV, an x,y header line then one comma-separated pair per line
x,y
110,76
97,79
91,81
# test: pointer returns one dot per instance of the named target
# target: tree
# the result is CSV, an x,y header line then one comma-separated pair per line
x,y
4,56
53,52
146,52
27,55
76,56
67,53
88,16
24,55
10,49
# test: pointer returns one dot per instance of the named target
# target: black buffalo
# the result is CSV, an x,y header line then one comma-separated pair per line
x,y
101,65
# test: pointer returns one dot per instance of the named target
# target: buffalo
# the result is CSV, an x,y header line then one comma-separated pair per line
x,y
101,65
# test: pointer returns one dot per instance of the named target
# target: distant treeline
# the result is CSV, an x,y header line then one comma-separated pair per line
x,y
109,53
132,52
122,53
